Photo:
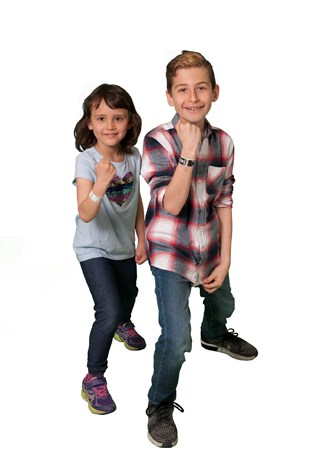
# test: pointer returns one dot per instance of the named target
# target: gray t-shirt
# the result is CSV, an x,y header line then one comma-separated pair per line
x,y
111,233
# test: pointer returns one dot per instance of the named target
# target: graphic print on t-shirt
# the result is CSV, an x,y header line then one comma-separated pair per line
x,y
120,188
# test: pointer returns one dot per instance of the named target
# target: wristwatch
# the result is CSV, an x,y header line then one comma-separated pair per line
x,y
186,162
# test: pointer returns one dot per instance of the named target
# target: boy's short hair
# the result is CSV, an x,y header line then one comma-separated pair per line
x,y
187,59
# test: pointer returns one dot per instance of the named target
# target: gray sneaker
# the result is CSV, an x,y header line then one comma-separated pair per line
x,y
162,431
231,345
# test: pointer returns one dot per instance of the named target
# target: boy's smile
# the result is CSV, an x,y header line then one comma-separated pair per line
x,y
192,94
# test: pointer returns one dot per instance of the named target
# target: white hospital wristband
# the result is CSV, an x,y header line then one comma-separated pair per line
x,y
95,198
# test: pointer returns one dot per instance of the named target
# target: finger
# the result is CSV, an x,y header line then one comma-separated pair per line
x,y
209,279
105,161
208,290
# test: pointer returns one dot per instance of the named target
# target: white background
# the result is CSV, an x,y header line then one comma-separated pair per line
x,y
271,60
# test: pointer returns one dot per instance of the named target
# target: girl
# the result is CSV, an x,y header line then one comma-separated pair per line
x,y
110,213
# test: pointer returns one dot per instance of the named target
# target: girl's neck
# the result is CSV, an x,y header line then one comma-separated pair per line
x,y
112,154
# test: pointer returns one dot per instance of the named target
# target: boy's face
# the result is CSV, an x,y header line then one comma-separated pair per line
x,y
192,95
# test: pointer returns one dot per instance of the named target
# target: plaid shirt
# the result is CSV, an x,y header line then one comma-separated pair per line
x,y
187,244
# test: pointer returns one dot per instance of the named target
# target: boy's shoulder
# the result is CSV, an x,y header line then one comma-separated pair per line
x,y
212,129
160,129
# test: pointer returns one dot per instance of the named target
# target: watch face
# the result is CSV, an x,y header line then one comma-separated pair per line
x,y
186,162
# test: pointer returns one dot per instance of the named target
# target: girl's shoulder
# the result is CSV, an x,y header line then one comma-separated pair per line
x,y
134,156
135,152
89,155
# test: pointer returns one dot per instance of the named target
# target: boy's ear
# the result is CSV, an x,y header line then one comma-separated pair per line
x,y
216,93
169,98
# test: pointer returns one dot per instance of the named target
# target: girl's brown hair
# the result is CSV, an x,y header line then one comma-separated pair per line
x,y
115,97
187,59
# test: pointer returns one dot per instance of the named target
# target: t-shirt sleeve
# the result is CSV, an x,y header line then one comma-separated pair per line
x,y
85,168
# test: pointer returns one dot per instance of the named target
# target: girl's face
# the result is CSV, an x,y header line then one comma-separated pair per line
x,y
109,127
192,95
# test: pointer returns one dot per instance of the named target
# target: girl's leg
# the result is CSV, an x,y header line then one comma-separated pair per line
x,y
101,280
126,276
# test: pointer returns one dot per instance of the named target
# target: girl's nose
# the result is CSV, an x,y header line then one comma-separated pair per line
x,y
111,124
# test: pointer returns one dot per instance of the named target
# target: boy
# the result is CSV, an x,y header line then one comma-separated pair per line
x,y
188,165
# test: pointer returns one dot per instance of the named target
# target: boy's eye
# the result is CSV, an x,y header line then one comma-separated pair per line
x,y
182,90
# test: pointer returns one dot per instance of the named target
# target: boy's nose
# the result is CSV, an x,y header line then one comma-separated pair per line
x,y
193,95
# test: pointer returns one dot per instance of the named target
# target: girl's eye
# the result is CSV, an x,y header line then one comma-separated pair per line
x,y
101,119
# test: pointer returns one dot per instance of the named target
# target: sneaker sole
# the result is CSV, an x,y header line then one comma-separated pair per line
x,y
118,338
226,351
95,410
164,445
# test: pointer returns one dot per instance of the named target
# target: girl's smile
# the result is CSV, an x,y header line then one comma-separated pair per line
x,y
109,127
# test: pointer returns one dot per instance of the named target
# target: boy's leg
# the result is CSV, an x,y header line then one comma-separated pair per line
x,y
218,307
214,334
172,291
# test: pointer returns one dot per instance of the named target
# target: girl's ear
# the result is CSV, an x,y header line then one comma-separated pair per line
x,y
89,125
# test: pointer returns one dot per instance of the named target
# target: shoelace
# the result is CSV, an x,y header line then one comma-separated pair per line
x,y
101,391
238,341
129,329
232,331
164,409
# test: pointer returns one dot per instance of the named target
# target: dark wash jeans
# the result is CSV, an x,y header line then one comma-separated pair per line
x,y
172,292
112,284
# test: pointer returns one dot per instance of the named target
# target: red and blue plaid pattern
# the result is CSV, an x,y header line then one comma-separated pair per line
x,y
187,244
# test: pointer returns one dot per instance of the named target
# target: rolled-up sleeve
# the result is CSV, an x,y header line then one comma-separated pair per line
x,y
157,166
226,196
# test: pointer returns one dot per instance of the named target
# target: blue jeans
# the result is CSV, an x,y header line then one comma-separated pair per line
x,y
112,284
172,292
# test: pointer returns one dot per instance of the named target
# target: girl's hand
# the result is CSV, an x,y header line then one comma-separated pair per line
x,y
141,254
105,172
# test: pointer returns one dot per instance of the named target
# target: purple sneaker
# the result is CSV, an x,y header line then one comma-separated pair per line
x,y
95,392
132,340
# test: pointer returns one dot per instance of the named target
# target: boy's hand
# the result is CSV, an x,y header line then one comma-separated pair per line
x,y
215,280
190,136
105,172
141,254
